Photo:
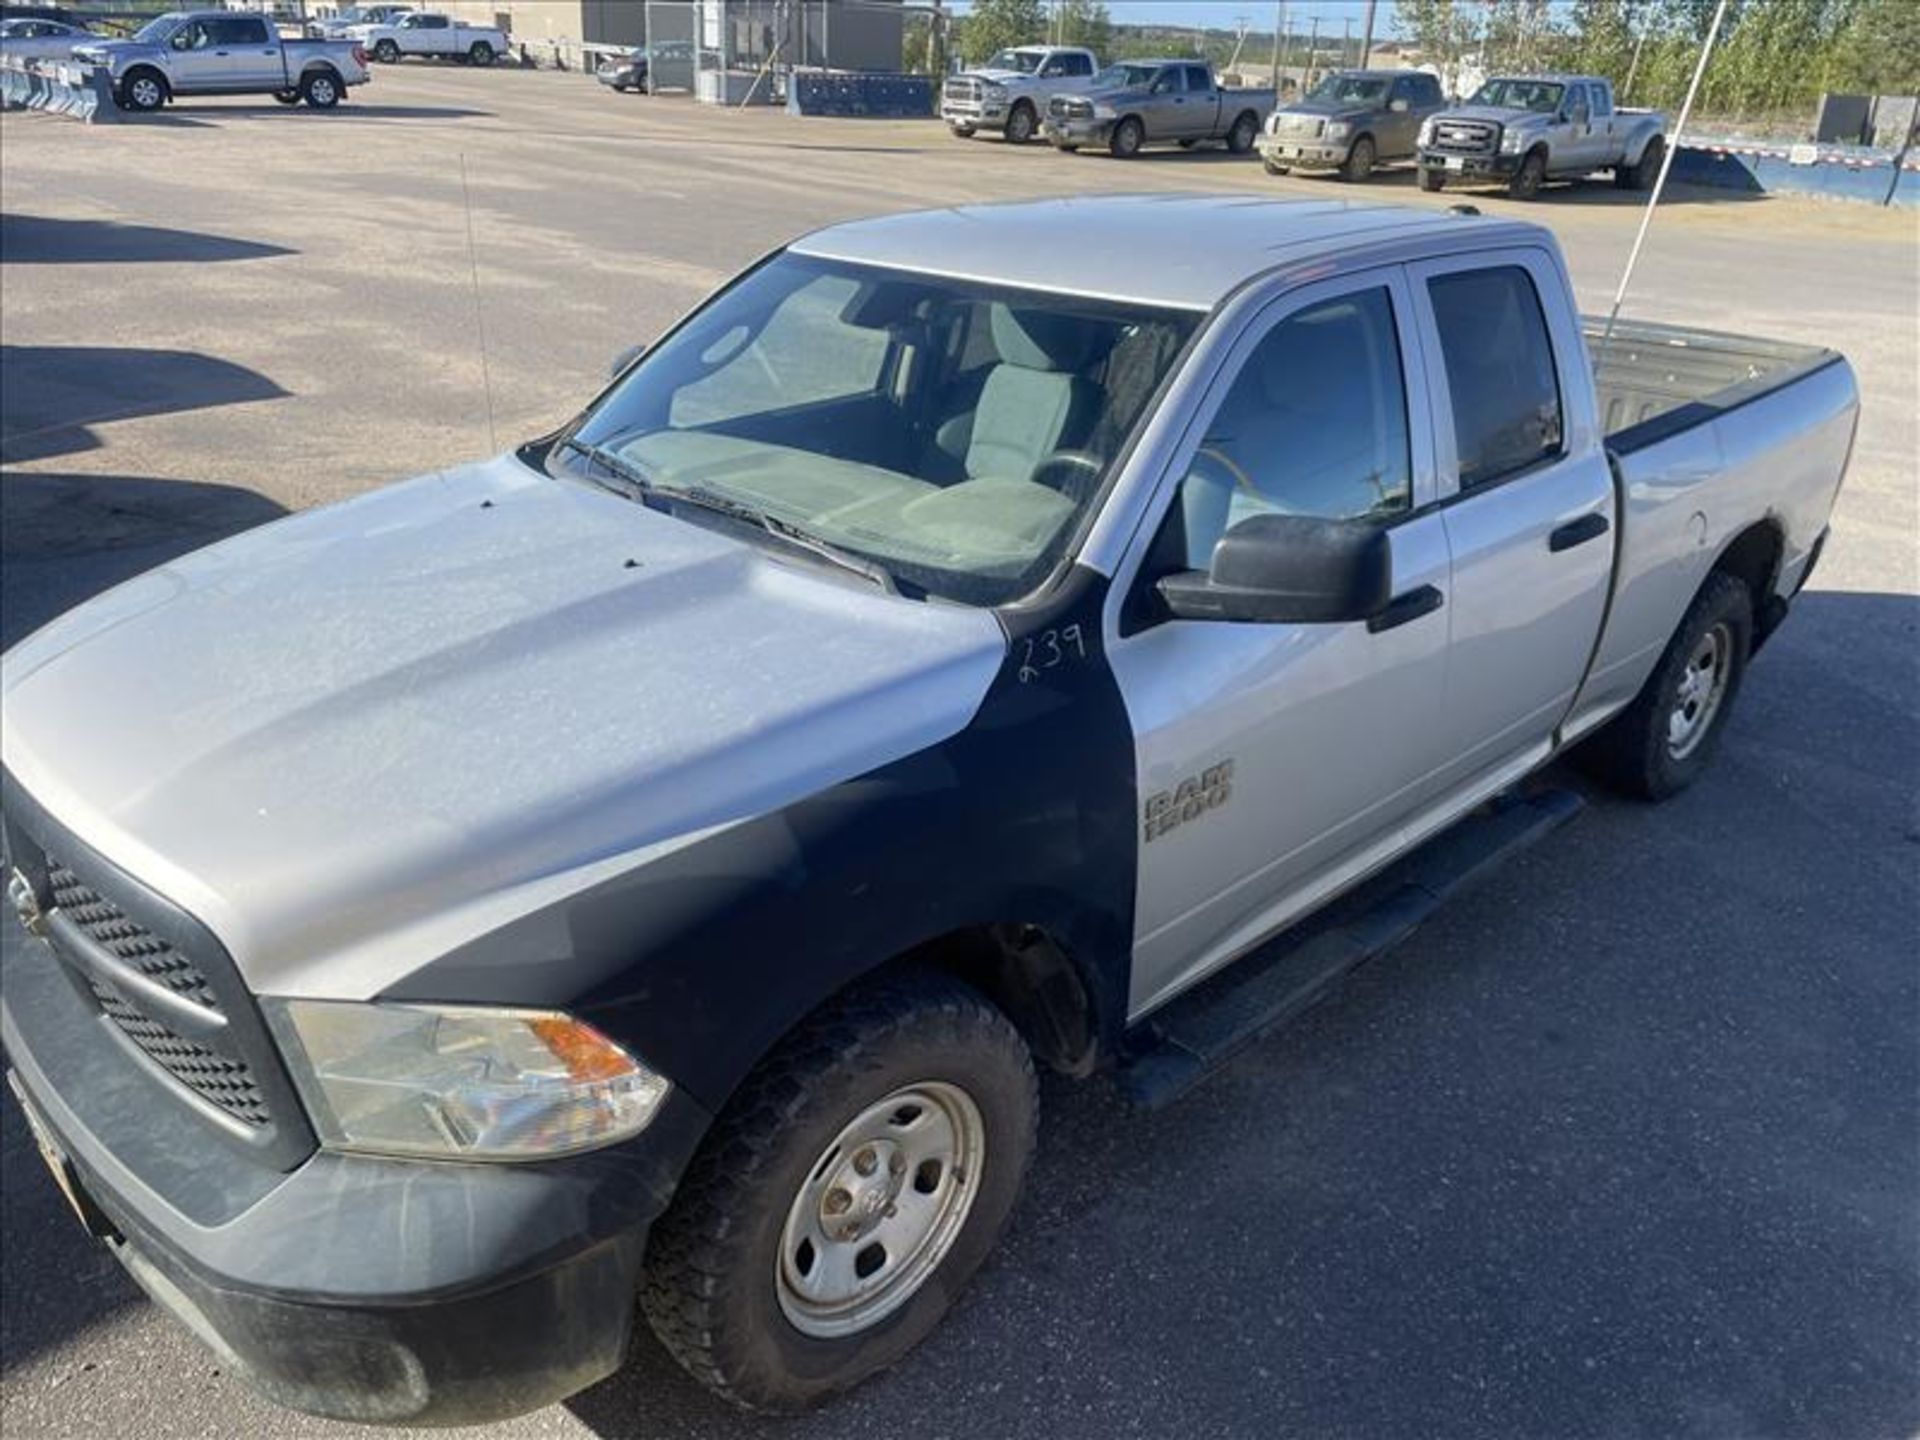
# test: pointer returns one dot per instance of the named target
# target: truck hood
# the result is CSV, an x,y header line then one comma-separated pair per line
x,y
108,50
998,77
354,739
1498,114
1327,109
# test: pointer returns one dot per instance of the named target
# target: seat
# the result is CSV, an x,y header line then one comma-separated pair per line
x,y
1034,400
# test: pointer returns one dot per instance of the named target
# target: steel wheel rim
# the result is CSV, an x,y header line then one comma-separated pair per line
x,y
880,1209
1703,685
323,91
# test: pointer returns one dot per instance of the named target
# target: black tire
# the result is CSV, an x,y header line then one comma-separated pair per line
x,y
962,132
143,89
712,1291
287,97
1187,144
1635,752
1277,169
1360,157
481,54
1021,124
386,52
1532,174
1068,149
1246,129
1642,175
321,89
1127,138
1432,181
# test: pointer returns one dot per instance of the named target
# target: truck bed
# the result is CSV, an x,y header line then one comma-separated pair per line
x,y
1654,380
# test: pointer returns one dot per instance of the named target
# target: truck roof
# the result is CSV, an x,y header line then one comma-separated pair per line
x,y
1549,77
1180,251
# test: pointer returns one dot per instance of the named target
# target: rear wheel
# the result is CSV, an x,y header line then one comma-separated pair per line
x,y
143,90
481,53
1642,175
1020,123
1241,137
1128,136
386,52
845,1195
1660,743
321,89
1359,163
1433,181
1532,174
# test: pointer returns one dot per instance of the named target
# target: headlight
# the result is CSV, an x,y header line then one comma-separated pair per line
x,y
1104,112
460,1082
1337,130
1426,132
1511,141
993,90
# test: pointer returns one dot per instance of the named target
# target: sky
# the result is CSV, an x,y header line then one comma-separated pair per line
x,y
1332,14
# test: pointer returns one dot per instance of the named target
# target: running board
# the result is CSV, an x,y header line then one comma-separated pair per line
x,y
1200,1031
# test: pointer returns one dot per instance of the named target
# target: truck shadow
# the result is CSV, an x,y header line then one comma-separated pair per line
x,y
1599,192
51,396
48,240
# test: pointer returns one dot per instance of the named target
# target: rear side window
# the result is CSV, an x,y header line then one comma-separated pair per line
x,y
1500,374
1198,80
1079,65
1426,90
242,31
1602,97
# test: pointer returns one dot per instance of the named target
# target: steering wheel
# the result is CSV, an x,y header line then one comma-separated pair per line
x,y
1071,465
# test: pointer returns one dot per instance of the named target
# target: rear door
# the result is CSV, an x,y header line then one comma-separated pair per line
x,y
1202,111
1295,746
253,51
426,35
1528,501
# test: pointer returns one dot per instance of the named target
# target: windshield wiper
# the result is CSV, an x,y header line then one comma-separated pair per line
x,y
781,530
632,483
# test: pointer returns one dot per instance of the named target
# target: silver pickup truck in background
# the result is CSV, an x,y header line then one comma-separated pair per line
x,y
1136,103
1528,129
224,52
1010,92
945,652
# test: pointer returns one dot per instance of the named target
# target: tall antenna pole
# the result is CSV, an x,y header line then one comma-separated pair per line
x,y
1666,164
1366,39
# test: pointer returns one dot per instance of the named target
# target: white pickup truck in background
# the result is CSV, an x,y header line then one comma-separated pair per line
x,y
429,35
955,647
1010,92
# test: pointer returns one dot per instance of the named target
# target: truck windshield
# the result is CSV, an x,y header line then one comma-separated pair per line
x,y
1345,88
1540,96
945,433
1125,77
1025,61
157,29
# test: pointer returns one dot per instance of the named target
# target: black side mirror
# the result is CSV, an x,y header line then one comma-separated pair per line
x,y
1275,568
625,358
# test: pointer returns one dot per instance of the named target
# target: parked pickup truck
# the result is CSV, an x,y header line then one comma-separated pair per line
x,y
1010,92
1150,102
1350,122
224,52
435,36
337,25
32,38
651,863
1528,129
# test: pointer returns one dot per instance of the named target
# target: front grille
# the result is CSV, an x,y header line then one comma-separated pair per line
x,y
1299,127
131,942
224,1083
962,89
1068,107
1466,137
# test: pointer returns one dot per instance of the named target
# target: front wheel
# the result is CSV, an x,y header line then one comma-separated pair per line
x,y
143,90
1532,174
386,52
1128,136
1660,743
1278,169
845,1195
962,132
1359,162
1433,181
481,53
1020,123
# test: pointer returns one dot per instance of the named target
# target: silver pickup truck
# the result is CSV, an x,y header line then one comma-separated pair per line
x,y
1137,103
1528,129
224,52
642,872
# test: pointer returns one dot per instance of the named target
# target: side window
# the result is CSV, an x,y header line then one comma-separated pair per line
x,y
1167,82
1054,68
1314,424
804,354
1576,100
1080,65
191,37
1500,375
433,22
1602,96
246,30
1199,81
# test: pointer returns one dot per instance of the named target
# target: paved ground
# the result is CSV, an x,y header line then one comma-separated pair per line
x,y
1624,1144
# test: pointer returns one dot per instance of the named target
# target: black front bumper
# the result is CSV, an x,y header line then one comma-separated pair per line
x,y
357,1287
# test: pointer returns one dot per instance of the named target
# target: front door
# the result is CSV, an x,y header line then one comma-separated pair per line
x,y
1278,750
1528,501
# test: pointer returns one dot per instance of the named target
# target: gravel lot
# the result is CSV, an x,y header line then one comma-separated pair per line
x,y
1625,1143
